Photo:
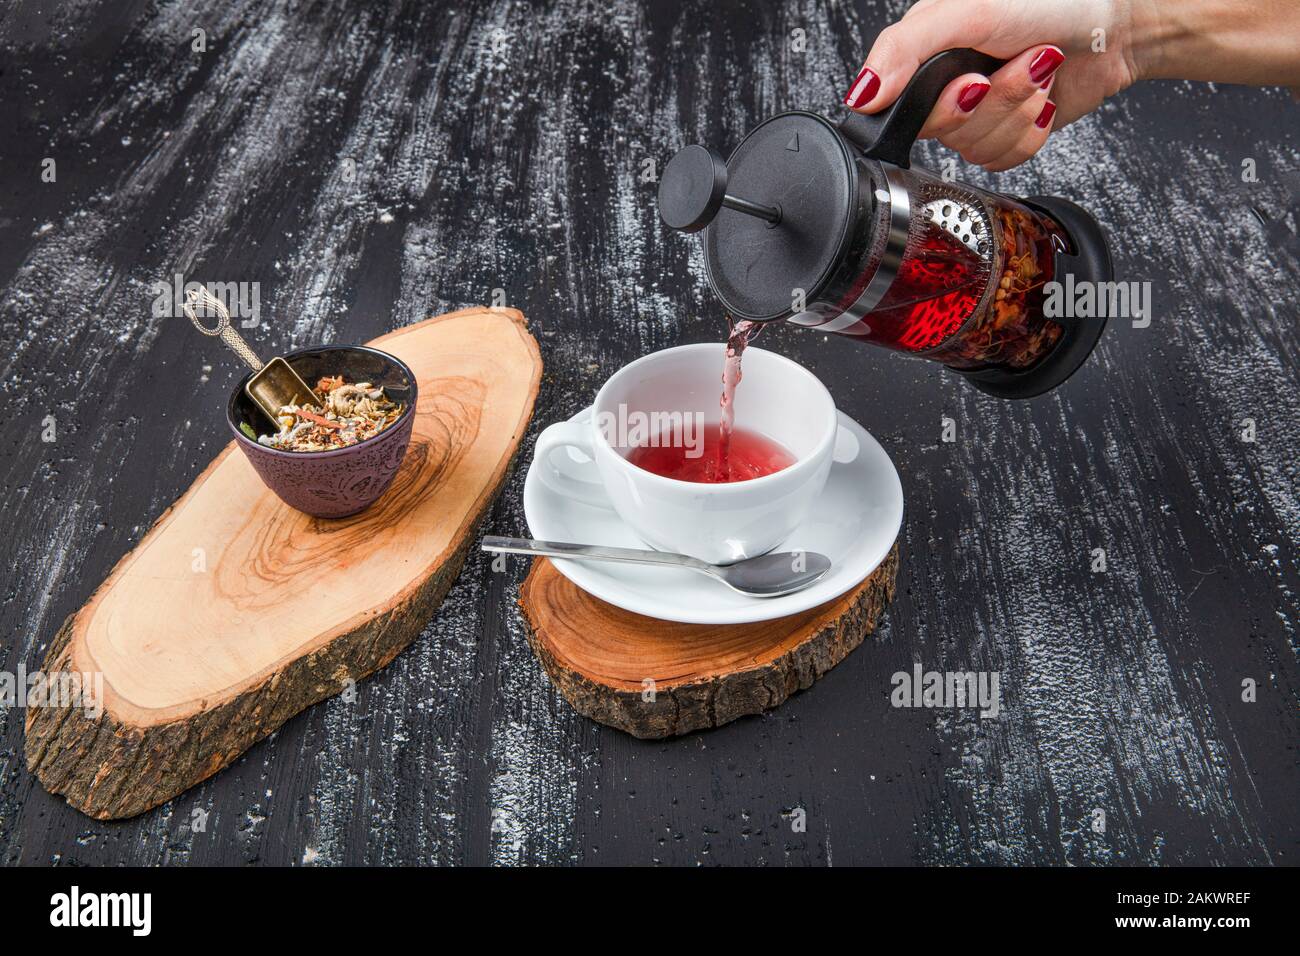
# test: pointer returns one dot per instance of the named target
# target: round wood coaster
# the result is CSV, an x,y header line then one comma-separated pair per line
x,y
657,678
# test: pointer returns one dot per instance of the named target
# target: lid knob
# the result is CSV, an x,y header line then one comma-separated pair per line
x,y
693,187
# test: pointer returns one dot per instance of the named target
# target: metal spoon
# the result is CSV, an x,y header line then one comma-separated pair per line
x,y
768,575
274,384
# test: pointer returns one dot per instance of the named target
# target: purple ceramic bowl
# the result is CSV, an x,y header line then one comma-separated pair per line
x,y
341,482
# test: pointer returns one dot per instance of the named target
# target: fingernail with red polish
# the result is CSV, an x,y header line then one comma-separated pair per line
x,y
1045,117
1047,83
862,90
1045,64
970,96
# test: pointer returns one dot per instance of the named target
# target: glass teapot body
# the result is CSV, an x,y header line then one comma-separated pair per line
x,y
944,271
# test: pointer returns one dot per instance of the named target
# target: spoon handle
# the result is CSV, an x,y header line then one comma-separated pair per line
x,y
561,549
234,341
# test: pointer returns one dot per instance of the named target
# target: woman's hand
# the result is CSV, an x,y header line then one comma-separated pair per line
x,y
1059,67
1066,56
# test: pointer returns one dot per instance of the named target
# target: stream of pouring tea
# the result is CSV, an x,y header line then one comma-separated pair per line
x,y
731,453
738,336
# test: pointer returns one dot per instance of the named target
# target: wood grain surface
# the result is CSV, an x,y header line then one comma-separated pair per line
x,y
370,164
236,612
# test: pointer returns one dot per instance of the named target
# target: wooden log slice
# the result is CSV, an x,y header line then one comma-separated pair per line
x,y
656,678
235,612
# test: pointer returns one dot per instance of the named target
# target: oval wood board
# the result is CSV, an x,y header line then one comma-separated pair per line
x,y
236,612
656,678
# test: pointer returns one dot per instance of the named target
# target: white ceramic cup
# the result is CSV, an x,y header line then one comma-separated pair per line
x,y
718,523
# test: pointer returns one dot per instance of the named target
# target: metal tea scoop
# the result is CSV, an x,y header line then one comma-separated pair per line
x,y
768,575
274,384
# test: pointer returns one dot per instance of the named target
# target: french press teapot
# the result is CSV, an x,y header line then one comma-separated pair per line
x,y
827,225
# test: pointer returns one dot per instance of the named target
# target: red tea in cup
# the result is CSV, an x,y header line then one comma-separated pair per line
x,y
749,455
727,453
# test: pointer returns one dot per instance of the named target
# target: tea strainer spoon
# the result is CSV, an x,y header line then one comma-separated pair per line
x,y
274,384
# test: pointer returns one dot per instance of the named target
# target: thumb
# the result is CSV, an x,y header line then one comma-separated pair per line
x,y
903,46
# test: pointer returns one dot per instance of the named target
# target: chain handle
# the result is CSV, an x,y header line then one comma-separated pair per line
x,y
209,303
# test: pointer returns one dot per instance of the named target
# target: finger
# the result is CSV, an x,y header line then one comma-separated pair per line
x,y
1004,136
1017,83
997,153
1030,142
903,46
956,104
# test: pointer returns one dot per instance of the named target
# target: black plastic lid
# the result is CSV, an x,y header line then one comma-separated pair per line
x,y
798,163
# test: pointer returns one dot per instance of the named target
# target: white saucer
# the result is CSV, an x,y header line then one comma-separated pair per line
x,y
854,523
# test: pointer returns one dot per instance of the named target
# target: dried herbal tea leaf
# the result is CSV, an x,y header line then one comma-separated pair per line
x,y
342,415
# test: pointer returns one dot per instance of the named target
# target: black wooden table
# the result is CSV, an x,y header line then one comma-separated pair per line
x,y
369,165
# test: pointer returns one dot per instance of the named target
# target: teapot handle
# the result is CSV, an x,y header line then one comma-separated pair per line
x,y
889,135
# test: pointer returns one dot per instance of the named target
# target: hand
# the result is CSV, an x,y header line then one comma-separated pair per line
x,y
1059,68
1069,55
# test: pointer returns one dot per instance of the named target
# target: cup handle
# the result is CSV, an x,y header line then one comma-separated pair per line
x,y
573,479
